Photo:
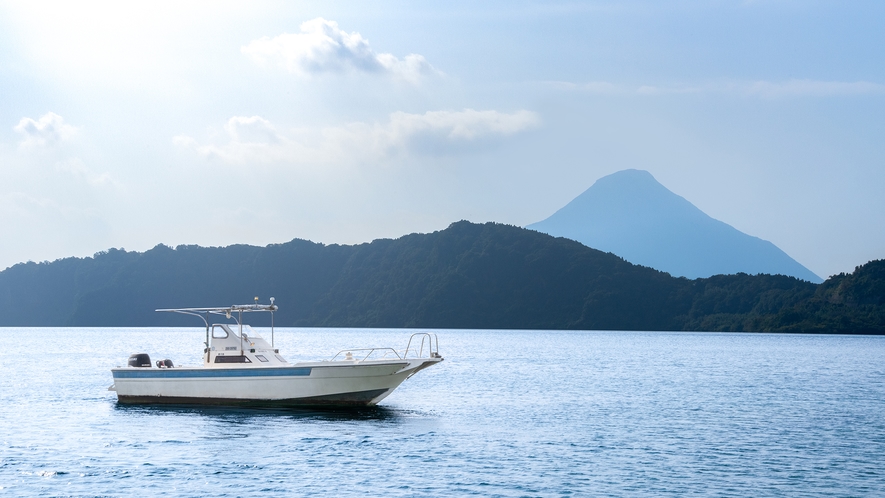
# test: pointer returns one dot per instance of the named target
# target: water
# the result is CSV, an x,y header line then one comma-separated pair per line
x,y
509,413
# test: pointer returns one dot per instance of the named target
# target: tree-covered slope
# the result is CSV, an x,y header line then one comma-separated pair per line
x,y
493,276
466,276
845,303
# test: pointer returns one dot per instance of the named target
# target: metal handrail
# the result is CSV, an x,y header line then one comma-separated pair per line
x,y
431,340
370,351
432,345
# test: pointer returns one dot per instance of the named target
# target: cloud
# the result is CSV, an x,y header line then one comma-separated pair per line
x,y
464,125
77,169
765,89
441,131
250,138
322,47
434,133
46,131
603,87
253,129
811,88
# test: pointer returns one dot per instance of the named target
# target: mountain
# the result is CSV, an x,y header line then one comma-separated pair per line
x,y
630,214
466,276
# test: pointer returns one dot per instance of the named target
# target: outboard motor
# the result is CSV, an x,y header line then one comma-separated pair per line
x,y
140,360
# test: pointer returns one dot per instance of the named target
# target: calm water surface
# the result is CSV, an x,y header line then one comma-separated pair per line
x,y
509,413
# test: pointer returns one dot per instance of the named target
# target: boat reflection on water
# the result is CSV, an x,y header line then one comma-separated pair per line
x,y
242,369
241,414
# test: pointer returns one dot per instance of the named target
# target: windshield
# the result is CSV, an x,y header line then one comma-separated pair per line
x,y
247,331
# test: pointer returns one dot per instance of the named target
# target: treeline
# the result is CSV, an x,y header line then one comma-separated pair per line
x,y
466,276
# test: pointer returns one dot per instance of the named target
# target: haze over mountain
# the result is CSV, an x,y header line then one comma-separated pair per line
x,y
630,214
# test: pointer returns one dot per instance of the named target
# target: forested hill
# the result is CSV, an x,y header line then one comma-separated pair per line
x,y
466,276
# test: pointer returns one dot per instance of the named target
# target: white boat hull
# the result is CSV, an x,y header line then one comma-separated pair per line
x,y
345,383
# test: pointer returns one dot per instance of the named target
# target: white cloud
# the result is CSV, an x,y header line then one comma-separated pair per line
x,y
465,125
811,88
766,89
433,133
773,89
253,129
248,139
77,169
589,87
184,141
46,131
322,47
444,132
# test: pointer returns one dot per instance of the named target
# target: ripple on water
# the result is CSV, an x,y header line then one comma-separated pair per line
x,y
634,413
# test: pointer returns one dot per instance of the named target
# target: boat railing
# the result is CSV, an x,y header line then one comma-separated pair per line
x,y
431,341
427,347
348,354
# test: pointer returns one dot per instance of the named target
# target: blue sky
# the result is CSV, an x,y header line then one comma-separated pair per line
x,y
215,123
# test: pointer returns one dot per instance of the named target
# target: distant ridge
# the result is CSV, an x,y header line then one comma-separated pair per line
x,y
630,214
467,276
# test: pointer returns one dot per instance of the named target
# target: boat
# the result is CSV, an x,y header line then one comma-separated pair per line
x,y
241,368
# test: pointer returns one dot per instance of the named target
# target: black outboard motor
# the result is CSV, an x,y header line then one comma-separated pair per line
x,y
140,360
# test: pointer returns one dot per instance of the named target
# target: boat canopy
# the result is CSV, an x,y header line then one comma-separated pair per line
x,y
234,311
227,311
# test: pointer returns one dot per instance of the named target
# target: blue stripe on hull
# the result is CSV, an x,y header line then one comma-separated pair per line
x,y
186,373
358,398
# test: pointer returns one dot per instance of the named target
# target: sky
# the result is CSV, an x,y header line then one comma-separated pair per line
x,y
130,124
